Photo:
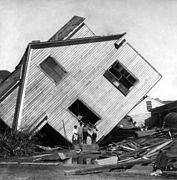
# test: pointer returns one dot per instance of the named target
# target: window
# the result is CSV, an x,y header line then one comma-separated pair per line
x,y
53,69
120,77
78,108
149,105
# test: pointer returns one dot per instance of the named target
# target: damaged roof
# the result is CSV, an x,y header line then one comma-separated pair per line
x,y
68,29
68,42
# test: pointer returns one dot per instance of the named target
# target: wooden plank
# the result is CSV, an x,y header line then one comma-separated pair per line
x,y
93,39
67,28
129,173
9,82
8,163
158,148
170,173
41,163
106,161
105,168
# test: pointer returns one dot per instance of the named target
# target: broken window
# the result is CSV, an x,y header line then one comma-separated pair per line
x,y
149,105
53,69
78,108
120,77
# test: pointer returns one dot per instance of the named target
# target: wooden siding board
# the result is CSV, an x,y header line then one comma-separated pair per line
x,y
33,104
81,82
7,107
83,32
9,82
34,89
144,81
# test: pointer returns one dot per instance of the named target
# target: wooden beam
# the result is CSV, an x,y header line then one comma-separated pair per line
x,y
98,169
69,42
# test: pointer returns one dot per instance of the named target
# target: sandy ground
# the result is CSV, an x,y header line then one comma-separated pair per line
x,y
36,172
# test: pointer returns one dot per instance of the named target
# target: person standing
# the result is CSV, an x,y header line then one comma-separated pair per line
x,y
85,134
75,135
80,133
94,135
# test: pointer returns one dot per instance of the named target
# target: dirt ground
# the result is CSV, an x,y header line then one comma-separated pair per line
x,y
36,172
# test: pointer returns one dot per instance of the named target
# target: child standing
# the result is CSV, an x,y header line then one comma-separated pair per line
x,y
75,135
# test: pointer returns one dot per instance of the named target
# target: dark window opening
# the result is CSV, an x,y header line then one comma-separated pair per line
x,y
120,77
48,136
53,69
79,108
149,105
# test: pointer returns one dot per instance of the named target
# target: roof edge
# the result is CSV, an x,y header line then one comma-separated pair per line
x,y
67,42
69,27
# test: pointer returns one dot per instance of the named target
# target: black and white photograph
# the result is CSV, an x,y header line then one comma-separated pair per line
x,y
88,89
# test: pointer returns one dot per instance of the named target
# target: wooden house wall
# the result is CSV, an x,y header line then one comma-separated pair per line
x,y
85,64
7,107
8,96
83,32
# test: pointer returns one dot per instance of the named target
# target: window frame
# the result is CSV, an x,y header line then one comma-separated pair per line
x,y
113,78
148,105
48,75
87,106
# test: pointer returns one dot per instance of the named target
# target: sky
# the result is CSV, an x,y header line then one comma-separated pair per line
x,y
151,27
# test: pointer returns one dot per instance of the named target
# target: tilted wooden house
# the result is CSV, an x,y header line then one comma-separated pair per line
x,y
75,73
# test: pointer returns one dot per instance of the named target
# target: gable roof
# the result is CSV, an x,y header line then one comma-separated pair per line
x,y
164,102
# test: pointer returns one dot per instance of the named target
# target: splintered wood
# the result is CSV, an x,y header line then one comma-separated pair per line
x,y
127,153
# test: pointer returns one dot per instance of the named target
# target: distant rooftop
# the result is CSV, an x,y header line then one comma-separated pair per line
x,y
165,102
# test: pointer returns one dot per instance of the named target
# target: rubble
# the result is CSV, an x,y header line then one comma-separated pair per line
x,y
126,154
153,150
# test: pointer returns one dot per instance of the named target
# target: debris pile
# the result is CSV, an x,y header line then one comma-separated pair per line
x,y
157,150
153,150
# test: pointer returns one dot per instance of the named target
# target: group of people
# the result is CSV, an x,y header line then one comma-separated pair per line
x,y
81,133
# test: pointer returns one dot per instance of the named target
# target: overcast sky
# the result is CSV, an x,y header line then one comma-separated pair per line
x,y
151,27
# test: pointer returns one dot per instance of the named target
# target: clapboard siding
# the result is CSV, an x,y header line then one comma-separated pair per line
x,y
36,90
85,64
7,107
83,32
68,84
